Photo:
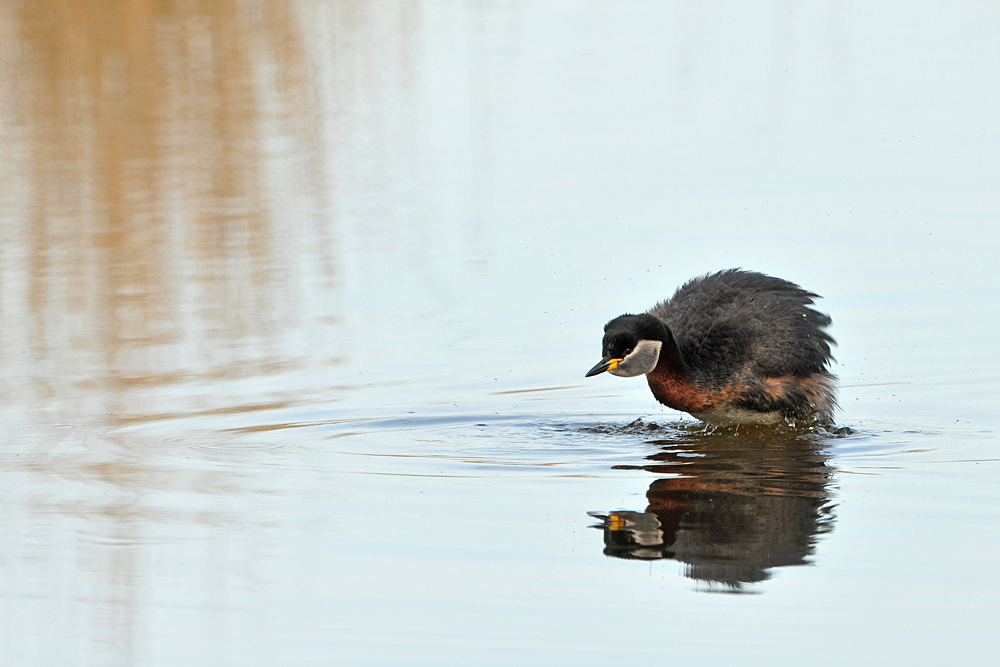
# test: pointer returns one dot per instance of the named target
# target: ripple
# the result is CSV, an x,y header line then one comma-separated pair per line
x,y
239,446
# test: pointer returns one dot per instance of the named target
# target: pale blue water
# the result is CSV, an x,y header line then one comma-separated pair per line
x,y
297,302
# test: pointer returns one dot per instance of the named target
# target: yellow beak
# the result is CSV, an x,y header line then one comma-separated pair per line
x,y
603,365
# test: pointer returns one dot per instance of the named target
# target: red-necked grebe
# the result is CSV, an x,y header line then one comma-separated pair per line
x,y
733,347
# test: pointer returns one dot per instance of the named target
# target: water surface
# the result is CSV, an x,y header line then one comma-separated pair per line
x,y
298,297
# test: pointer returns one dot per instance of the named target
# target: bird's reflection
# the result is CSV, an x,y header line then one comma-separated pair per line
x,y
732,504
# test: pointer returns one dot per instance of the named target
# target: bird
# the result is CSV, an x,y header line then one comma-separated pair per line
x,y
729,348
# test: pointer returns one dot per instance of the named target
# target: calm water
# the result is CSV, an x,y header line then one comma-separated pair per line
x,y
297,299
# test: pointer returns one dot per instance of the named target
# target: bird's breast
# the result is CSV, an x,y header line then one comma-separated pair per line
x,y
679,393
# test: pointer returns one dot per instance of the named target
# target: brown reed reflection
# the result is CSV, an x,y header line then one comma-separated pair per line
x,y
736,504
169,199
145,172
168,207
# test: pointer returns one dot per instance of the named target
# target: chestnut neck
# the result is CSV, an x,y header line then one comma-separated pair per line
x,y
671,384
670,361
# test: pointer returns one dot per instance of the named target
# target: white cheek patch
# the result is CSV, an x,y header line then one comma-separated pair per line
x,y
641,360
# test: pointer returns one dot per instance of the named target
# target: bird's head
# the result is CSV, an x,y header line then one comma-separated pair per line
x,y
631,346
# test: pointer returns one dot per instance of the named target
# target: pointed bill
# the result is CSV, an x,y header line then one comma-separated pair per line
x,y
603,365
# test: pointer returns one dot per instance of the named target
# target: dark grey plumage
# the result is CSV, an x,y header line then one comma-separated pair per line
x,y
730,347
734,322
